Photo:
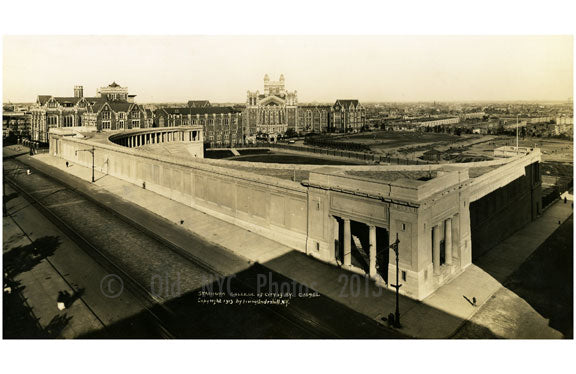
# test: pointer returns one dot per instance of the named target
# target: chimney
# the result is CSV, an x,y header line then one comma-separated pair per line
x,y
78,91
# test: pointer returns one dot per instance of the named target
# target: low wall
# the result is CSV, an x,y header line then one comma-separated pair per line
x,y
274,208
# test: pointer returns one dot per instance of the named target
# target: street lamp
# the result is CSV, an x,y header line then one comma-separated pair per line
x,y
397,286
91,151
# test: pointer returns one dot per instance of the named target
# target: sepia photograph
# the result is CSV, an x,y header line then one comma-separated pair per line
x,y
204,186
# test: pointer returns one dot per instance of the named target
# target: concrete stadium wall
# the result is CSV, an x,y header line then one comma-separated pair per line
x,y
499,214
480,211
276,209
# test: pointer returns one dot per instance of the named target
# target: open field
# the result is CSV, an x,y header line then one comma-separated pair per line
x,y
289,158
397,139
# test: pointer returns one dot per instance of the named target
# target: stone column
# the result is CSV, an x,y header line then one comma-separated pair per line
x,y
436,250
448,241
372,237
347,243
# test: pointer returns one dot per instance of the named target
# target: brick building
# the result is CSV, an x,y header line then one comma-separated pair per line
x,y
222,125
112,109
347,115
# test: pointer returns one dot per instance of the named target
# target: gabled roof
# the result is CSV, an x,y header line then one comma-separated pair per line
x,y
42,99
114,85
119,106
181,110
198,103
67,100
347,102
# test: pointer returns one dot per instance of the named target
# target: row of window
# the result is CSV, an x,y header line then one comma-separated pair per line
x,y
106,115
107,125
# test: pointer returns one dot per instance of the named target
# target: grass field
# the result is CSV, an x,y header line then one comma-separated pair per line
x,y
285,158
396,139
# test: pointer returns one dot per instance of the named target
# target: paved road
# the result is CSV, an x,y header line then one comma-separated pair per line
x,y
148,255
59,265
536,302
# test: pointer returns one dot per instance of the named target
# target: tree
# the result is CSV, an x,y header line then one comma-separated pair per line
x,y
290,133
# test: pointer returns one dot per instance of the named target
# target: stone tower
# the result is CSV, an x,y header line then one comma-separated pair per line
x,y
78,91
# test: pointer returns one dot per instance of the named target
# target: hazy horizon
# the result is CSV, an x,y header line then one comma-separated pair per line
x,y
171,69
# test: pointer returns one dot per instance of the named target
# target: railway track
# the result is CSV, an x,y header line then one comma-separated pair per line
x,y
140,291
163,317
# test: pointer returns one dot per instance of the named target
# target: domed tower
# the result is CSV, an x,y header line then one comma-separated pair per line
x,y
282,78
266,78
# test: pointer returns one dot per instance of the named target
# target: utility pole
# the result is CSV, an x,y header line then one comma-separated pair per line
x,y
91,151
516,133
397,286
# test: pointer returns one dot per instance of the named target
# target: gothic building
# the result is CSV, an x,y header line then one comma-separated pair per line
x,y
347,115
112,109
276,110
222,125
270,112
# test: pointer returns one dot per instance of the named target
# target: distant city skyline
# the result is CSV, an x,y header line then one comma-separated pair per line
x,y
162,69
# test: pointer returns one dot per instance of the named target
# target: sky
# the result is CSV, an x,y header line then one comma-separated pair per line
x,y
319,68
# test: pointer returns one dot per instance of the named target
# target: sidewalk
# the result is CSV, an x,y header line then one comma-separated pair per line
x,y
40,285
438,316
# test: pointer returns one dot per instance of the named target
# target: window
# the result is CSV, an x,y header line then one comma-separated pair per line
x,y
68,121
403,227
52,120
135,114
120,124
135,123
106,125
122,115
106,115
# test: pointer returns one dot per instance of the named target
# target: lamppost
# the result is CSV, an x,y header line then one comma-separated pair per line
x,y
91,151
397,286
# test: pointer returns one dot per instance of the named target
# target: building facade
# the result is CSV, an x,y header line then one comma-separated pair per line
x,y
347,116
112,109
313,118
276,111
222,126
16,124
272,112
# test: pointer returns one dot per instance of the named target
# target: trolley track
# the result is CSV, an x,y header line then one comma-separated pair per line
x,y
157,309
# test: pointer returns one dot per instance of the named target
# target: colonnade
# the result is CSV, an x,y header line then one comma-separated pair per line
x,y
347,245
165,136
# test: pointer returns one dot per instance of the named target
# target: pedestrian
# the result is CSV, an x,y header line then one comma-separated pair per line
x,y
474,301
391,320
565,200
66,163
